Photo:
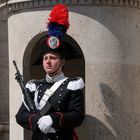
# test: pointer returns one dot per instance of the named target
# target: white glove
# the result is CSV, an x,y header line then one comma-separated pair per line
x,y
45,123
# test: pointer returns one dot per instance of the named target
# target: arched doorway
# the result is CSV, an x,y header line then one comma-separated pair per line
x,y
30,71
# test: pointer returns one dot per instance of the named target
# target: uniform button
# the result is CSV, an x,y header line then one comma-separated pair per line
x,y
48,139
57,137
60,95
58,109
61,89
40,84
59,102
38,96
40,90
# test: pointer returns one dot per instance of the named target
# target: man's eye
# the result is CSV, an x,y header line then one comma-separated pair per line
x,y
53,58
45,58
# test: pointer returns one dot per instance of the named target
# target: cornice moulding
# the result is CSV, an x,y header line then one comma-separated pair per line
x,y
18,5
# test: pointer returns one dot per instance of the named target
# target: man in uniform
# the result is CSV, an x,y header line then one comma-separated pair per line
x,y
64,94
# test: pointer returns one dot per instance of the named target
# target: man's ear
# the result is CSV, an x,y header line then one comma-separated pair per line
x,y
63,62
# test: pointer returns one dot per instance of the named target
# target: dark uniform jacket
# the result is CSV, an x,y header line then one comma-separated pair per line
x,y
67,111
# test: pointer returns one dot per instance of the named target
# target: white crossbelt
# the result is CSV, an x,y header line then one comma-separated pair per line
x,y
49,92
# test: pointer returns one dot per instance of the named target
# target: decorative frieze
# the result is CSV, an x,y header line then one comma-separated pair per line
x,y
16,6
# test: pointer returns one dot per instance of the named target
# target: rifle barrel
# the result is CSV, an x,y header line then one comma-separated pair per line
x,y
14,62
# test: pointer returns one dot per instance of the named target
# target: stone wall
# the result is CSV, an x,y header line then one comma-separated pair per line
x,y
109,38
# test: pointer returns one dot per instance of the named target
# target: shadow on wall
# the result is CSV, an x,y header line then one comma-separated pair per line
x,y
93,129
117,117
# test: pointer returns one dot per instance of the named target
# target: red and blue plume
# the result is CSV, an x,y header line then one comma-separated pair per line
x,y
58,21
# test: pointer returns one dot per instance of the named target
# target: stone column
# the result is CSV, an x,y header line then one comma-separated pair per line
x,y
20,35
4,80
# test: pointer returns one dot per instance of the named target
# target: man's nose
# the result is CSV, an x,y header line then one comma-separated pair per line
x,y
47,60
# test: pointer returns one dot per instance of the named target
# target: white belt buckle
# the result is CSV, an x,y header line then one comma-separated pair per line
x,y
48,92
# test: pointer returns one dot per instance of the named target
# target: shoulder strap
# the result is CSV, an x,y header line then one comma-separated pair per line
x,y
49,92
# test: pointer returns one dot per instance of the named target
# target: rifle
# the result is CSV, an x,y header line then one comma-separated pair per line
x,y
27,97
25,91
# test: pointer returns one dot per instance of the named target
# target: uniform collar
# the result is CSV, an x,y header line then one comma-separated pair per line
x,y
55,78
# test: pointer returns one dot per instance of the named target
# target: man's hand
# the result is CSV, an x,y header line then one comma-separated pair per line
x,y
45,123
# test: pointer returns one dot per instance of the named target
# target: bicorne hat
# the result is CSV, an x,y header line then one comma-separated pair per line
x,y
55,41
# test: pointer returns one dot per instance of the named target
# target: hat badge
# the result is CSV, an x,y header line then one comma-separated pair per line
x,y
53,42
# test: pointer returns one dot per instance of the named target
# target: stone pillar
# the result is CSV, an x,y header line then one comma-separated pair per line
x,y
20,35
4,80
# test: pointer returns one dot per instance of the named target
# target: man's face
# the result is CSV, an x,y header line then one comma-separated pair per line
x,y
52,63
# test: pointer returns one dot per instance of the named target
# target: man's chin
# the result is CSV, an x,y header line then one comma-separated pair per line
x,y
49,71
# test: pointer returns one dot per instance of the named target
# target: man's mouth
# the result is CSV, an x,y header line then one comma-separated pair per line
x,y
48,67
